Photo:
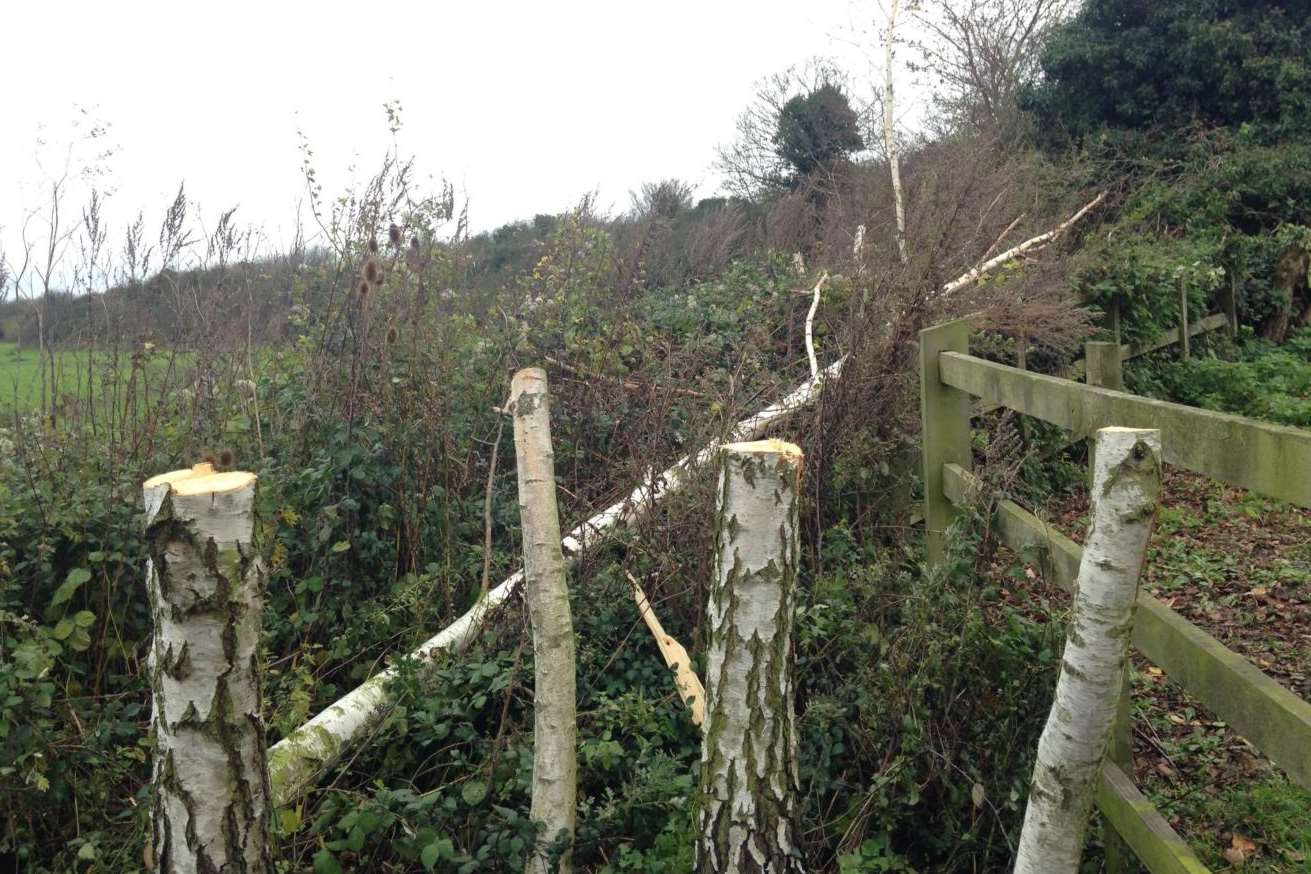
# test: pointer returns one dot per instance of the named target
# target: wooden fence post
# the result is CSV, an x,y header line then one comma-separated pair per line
x,y
944,429
1104,365
1229,300
1105,369
1183,316
749,779
210,797
555,725
1125,497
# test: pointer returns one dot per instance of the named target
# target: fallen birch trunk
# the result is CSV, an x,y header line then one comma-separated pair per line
x,y
210,806
297,760
810,326
749,779
555,726
1028,245
1125,493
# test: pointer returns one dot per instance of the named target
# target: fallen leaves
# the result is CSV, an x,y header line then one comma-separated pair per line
x,y
1240,849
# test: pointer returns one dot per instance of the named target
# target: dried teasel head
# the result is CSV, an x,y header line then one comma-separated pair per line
x,y
394,234
362,288
373,246
392,334
226,459
372,272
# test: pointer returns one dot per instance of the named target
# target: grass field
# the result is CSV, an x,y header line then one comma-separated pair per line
x,y
20,375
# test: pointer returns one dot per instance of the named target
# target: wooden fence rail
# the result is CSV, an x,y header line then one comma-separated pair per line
x,y
1270,459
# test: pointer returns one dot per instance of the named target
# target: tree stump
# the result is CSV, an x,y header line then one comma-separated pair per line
x,y
210,797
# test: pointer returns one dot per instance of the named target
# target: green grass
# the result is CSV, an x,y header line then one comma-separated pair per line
x,y
20,375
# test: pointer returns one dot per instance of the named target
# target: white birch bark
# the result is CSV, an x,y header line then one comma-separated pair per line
x,y
301,757
210,796
810,326
1032,244
555,729
749,782
309,751
890,126
1125,493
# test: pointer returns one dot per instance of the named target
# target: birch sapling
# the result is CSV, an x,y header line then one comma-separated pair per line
x,y
210,795
890,125
1125,495
555,730
749,782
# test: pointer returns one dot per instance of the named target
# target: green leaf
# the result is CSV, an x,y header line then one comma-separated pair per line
x,y
341,546
79,641
326,863
429,856
64,628
289,820
474,792
84,618
76,578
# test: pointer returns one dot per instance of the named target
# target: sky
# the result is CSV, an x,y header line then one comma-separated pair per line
x,y
523,106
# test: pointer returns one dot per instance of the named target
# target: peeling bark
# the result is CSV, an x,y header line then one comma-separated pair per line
x,y
1126,492
749,782
210,794
555,729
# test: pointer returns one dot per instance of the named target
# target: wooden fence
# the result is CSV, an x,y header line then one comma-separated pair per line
x,y
1270,459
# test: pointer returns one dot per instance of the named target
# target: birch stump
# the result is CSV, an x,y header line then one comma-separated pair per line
x,y
555,730
210,797
749,783
1126,490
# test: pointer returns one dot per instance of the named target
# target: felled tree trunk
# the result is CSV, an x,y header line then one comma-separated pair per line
x,y
749,782
1125,493
210,798
555,731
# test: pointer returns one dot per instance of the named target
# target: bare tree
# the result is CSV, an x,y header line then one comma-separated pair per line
x,y
976,54
45,238
751,164
662,200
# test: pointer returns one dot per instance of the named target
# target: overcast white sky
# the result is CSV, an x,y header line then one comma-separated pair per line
x,y
523,105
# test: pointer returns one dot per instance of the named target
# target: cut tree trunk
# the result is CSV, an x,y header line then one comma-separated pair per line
x,y
210,796
555,730
1125,494
749,783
